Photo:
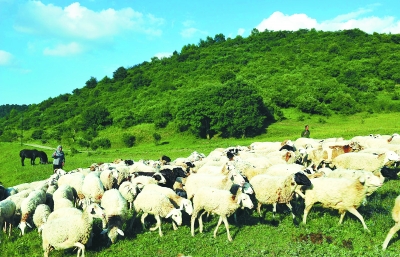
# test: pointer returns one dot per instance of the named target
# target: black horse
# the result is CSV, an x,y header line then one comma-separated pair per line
x,y
33,154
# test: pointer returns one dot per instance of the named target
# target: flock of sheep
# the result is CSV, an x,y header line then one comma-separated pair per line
x,y
337,173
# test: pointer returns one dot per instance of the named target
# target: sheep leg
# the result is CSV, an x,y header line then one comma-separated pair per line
x,y
389,236
291,209
158,225
273,210
192,220
259,208
201,221
353,211
144,215
80,250
218,224
306,211
342,214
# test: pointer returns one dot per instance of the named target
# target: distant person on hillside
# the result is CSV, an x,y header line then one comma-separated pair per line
x,y
306,132
59,158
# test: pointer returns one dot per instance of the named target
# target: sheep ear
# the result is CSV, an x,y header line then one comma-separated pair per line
x,y
103,231
29,225
362,180
120,232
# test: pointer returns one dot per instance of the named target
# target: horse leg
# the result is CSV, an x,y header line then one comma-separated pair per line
x,y
22,160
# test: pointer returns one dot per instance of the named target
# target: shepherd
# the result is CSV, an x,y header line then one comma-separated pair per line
x,y
59,158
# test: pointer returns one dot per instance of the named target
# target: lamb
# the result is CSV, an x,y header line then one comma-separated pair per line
x,y
70,231
342,194
396,227
270,189
364,161
7,211
176,200
195,181
220,202
159,205
28,207
40,216
116,210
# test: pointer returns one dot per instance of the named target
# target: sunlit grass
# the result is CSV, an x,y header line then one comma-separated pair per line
x,y
252,236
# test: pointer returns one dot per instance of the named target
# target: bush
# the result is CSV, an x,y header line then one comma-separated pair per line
x,y
83,142
102,142
128,139
37,134
157,138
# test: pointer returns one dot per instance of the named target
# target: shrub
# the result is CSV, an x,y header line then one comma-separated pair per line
x,y
102,142
37,134
157,138
128,139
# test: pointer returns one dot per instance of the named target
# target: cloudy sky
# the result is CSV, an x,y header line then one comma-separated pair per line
x,y
48,48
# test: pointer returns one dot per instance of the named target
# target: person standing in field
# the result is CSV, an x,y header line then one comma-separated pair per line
x,y
306,132
59,158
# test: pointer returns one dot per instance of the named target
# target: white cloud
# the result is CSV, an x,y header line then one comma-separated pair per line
x,y
189,32
78,22
64,50
5,58
280,21
241,31
163,55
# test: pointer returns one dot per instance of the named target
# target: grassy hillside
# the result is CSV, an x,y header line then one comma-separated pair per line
x,y
279,236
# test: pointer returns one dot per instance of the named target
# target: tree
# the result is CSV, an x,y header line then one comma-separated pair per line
x,y
120,74
157,138
91,83
96,116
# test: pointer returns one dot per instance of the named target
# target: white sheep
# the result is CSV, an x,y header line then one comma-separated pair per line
x,y
70,231
220,202
156,204
196,181
128,190
342,194
92,188
271,189
29,205
75,180
108,177
364,161
354,174
396,218
7,211
116,210
176,200
40,216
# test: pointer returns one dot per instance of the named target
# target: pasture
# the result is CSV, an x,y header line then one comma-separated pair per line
x,y
252,236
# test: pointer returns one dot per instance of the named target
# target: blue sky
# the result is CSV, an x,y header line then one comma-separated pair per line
x,y
48,48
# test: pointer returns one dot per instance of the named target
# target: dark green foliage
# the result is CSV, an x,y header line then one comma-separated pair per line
x,y
120,74
91,83
157,138
37,134
96,117
82,142
101,142
8,136
128,139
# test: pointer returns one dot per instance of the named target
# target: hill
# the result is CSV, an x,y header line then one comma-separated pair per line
x,y
223,87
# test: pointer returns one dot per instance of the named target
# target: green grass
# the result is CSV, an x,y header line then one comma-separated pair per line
x,y
279,236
